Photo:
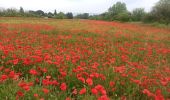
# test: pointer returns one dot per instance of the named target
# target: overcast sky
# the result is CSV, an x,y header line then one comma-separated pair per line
x,y
75,6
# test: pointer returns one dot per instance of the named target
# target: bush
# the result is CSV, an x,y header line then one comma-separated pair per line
x,y
148,18
138,14
123,17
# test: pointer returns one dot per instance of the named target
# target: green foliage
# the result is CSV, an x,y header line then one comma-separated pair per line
x,y
69,15
40,13
148,18
11,12
60,15
55,12
21,10
160,13
117,12
138,14
124,17
83,16
50,15
117,8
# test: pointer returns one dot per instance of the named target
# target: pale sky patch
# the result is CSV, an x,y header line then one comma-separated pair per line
x,y
75,6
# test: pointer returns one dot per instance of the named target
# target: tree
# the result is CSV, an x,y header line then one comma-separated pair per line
x,y
148,18
116,11
11,12
1,12
40,13
60,15
138,14
161,11
21,10
117,8
83,16
69,15
50,15
123,17
55,12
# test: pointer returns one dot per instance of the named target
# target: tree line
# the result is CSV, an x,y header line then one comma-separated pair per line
x,y
160,13
12,12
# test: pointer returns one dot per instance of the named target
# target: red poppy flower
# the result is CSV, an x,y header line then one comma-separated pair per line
x,y
146,91
89,81
3,77
20,94
82,91
46,91
33,72
94,91
63,86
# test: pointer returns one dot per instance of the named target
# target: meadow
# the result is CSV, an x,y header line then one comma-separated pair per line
x,y
50,59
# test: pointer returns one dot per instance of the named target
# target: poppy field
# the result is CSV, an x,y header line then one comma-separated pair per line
x,y
49,59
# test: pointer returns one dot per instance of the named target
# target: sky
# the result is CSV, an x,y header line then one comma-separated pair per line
x,y
75,6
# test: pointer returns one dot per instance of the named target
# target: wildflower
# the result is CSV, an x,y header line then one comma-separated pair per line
x,y
33,72
36,95
15,61
20,94
103,97
94,91
63,86
81,79
146,91
120,69
158,95
112,83
82,91
89,81
3,77
46,91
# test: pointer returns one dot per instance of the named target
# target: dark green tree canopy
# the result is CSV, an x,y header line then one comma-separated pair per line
x,y
40,13
138,14
69,15
83,16
50,15
21,10
117,8
60,15
55,12
161,11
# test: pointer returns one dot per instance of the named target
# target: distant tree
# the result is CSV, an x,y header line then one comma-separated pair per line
x,y
99,17
83,16
40,13
138,14
11,12
1,12
21,10
161,11
117,8
116,11
55,12
123,17
86,15
149,18
32,13
69,15
50,15
60,15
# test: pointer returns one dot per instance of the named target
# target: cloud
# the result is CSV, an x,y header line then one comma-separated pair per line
x,y
78,6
